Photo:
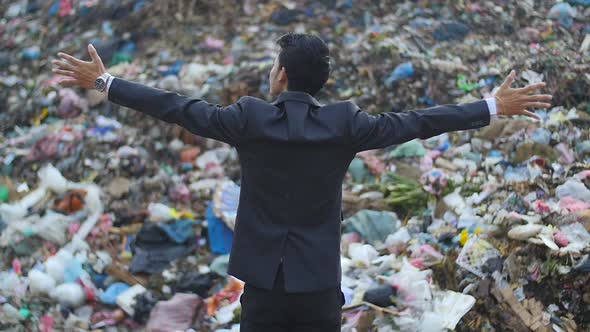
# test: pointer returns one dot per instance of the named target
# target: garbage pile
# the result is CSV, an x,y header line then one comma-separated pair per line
x,y
111,220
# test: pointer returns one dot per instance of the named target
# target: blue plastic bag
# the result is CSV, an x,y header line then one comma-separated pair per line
x,y
180,230
401,72
220,236
110,295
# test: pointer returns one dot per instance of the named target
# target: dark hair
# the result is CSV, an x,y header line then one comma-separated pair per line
x,y
306,58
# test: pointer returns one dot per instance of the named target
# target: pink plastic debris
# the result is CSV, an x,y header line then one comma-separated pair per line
x,y
569,204
16,265
582,175
59,144
65,8
214,44
541,207
418,263
180,193
561,239
374,163
427,161
107,318
73,228
175,314
89,290
434,181
102,228
426,256
46,323
71,105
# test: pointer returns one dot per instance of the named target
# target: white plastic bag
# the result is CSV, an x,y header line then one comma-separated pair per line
x,y
56,265
52,179
573,188
159,212
413,286
362,254
397,241
41,282
450,307
69,294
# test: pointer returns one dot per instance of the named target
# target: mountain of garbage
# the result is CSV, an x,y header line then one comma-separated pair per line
x,y
113,221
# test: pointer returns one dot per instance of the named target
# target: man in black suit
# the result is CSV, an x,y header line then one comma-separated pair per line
x,y
294,154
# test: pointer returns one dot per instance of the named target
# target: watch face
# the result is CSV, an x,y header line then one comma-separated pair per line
x,y
100,84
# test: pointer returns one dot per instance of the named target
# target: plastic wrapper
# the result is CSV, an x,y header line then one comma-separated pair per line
x,y
475,254
225,202
160,212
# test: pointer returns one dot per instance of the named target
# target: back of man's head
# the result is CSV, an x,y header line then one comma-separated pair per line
x,y
306,59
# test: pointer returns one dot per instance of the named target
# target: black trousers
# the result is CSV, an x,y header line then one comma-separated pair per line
x,y
278,311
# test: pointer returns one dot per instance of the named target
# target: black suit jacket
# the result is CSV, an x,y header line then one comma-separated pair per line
x,y
294,154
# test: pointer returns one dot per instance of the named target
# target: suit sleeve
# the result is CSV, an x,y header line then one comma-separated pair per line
x,y
378,131
226,124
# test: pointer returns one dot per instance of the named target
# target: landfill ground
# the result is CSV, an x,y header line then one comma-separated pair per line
x,y
113,221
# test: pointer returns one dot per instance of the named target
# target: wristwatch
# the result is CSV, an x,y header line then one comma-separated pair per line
x,y
102,82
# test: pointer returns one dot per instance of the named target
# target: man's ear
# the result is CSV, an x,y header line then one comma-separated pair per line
x,y
283,75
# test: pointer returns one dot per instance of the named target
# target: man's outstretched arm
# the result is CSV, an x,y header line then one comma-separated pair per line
x,y
378,131
226,124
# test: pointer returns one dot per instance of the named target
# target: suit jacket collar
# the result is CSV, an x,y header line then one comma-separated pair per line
x,y
297,96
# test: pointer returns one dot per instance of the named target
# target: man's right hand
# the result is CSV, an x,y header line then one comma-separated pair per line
x,y
518,101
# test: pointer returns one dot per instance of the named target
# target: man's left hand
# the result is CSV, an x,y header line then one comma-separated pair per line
x,y
80,73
